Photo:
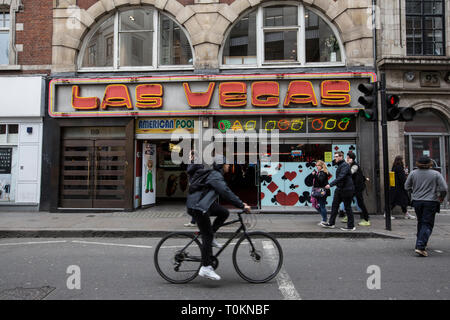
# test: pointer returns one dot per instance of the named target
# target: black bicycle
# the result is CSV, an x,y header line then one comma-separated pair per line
x,y
257,255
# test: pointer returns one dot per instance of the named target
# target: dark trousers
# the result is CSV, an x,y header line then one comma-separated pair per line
x,y
207,230
346,197
362,205
404,208
426,213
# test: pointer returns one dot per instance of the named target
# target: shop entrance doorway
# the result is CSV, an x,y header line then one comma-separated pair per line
x,y
93,174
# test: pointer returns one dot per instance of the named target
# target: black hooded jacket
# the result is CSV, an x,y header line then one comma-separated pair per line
x,y
206,187
343,181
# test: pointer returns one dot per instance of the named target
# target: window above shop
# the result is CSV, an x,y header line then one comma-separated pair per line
x,y
4,36
425,32
282,35
427,120
142,38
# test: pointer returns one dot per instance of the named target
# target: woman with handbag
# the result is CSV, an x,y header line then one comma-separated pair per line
x,y
318,192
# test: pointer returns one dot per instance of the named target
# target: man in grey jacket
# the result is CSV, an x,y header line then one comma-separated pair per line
x,y
202,202
428,189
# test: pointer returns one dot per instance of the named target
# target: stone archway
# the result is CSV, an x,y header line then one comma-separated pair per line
x,y
206,25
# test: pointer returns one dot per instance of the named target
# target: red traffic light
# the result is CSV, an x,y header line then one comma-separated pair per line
x,y
392,100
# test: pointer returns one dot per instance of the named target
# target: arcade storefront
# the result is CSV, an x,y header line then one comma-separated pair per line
x,y
111,142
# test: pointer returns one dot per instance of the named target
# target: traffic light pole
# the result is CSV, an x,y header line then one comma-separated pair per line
x,y
384,137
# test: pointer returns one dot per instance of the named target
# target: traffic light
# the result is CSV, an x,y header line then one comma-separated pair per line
x,y
392,109
368,100
394,112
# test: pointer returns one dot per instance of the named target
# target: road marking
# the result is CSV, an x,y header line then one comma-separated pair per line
x,y
113,244
31,242
285,284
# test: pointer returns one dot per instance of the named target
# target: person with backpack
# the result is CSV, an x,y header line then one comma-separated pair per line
x,y
359,181
428,189
202,202
344,193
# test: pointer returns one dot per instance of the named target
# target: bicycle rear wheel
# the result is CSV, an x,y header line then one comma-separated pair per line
x,y
257,257
178,257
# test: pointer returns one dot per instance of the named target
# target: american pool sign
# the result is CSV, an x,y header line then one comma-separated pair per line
x,y
325,93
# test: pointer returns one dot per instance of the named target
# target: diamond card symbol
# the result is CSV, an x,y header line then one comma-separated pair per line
x,y
272,187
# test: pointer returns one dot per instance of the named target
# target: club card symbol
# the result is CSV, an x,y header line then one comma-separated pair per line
x,y
352,147
290,175
293,186
305,198
266,179
274,200
311,164
287,199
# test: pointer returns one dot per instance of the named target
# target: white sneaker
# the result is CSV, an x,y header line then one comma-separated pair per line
x,y
189,224
215,244
208,272
409,216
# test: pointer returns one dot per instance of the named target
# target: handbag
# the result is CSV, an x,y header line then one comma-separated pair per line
x,y
318,192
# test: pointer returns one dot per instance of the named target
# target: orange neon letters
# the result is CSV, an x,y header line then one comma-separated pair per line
x,y
149,96
335,92
233,94
199,99
117,95
83,103
265,94
300,92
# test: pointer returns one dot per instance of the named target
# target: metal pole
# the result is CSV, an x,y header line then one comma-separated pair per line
x,y
387,208
376,133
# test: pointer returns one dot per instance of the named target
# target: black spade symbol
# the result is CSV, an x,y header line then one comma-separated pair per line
x,y
300,166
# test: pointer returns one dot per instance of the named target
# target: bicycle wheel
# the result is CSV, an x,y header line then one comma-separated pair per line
x,y
178,257
257,257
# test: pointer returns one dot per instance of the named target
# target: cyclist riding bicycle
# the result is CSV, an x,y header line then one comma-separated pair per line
x,y
202,202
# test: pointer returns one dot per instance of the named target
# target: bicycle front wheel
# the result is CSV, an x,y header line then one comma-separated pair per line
x,y
257,257
178,257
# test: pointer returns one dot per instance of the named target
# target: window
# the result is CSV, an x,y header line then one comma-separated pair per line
x,y
425,28
4,36
133,38
9,133
289,35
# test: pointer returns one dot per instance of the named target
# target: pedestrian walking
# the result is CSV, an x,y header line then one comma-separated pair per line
x,y
397,194
318,192
344,192
428,189
359,181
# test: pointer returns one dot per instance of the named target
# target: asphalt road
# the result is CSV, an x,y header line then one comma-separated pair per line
x,y
122,268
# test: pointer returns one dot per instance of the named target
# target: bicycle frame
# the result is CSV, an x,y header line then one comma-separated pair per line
x,y
242,228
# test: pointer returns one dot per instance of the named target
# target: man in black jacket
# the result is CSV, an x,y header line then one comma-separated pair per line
x,y
344,192
202,202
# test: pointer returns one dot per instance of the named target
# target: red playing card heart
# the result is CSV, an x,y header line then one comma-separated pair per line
x,y
272,187
287,200
290,175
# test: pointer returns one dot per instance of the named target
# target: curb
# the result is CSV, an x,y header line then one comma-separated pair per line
x,y
159,234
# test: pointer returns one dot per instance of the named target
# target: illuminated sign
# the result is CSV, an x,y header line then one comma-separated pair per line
x,y
310,124
331,93
165,125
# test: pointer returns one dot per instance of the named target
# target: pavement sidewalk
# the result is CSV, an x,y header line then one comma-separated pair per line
x,y
158,221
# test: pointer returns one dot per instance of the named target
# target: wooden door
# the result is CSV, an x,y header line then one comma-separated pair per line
x,y
93,174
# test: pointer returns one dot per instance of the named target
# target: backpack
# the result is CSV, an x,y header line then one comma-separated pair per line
x,y
198,182
359,180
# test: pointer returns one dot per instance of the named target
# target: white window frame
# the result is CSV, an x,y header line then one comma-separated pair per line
x,y
301,38
116,59
6,30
